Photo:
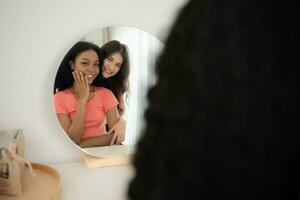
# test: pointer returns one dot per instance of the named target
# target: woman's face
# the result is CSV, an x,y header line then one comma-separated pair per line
x,y
112,64
87,62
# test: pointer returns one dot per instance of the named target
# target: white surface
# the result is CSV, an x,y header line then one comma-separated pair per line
x,y
34,37
80,182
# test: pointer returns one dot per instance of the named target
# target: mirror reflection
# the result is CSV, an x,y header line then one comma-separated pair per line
x,y
100,88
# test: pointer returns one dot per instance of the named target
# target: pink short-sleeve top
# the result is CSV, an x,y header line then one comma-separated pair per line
x,y
96,108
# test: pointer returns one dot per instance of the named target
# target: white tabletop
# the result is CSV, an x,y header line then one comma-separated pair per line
x,y
82,183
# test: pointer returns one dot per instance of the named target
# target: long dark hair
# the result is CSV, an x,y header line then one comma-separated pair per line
x,y
118,83
64,78
222,119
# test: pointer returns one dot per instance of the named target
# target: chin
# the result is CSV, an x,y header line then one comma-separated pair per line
x,y
91,81
106,75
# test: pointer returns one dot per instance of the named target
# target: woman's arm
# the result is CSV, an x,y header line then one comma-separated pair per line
x,y
103,140
120,127
123,107
74,128
112,117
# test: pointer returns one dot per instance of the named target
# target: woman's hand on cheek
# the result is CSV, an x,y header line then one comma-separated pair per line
x,y
81,86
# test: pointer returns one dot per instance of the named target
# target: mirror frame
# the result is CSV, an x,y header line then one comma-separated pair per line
x,y
120,154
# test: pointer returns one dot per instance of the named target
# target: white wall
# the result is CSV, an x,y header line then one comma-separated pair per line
x,y
34,36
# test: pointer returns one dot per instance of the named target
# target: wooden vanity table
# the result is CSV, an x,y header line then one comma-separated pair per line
x,y
103,177
107,183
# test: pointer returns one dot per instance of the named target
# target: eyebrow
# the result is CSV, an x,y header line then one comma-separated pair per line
x,y
114,59
85,58
88,59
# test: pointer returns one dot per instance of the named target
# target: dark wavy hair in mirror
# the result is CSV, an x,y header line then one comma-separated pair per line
x,y
223,118
64,78
118,83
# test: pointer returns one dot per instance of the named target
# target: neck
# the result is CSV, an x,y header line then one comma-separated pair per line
x,y
91,89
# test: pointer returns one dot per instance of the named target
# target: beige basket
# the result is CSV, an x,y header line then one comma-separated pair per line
x,y
46,185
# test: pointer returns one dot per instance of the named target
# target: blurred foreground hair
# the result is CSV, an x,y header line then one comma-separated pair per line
x,y
223,118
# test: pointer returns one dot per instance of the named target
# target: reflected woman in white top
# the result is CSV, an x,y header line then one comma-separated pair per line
x,y
115,73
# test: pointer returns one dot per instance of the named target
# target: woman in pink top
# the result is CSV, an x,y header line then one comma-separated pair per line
x,y
81,105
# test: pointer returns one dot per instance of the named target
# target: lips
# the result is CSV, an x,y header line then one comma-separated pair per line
x,y
89,77
107,71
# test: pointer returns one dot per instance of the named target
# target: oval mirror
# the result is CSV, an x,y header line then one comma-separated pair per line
x,y
100,92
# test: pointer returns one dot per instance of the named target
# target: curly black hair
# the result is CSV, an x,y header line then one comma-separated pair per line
x,y
222,122
64,78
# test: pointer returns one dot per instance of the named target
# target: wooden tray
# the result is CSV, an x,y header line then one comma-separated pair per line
x,y
46,185
92,162
115,151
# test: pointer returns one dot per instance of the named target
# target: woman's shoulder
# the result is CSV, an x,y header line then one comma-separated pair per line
x,y
64,93
102,90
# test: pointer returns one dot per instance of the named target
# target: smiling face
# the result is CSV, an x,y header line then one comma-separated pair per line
x,y
87,62
112,65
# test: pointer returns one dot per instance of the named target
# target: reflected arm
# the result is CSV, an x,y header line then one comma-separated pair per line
x,y
118,128
103,140
123,107
112,117
74,128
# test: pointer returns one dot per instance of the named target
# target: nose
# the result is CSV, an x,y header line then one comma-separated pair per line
x,y
90,68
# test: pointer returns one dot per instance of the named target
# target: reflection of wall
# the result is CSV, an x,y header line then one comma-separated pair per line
x,y
34,37
95,37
